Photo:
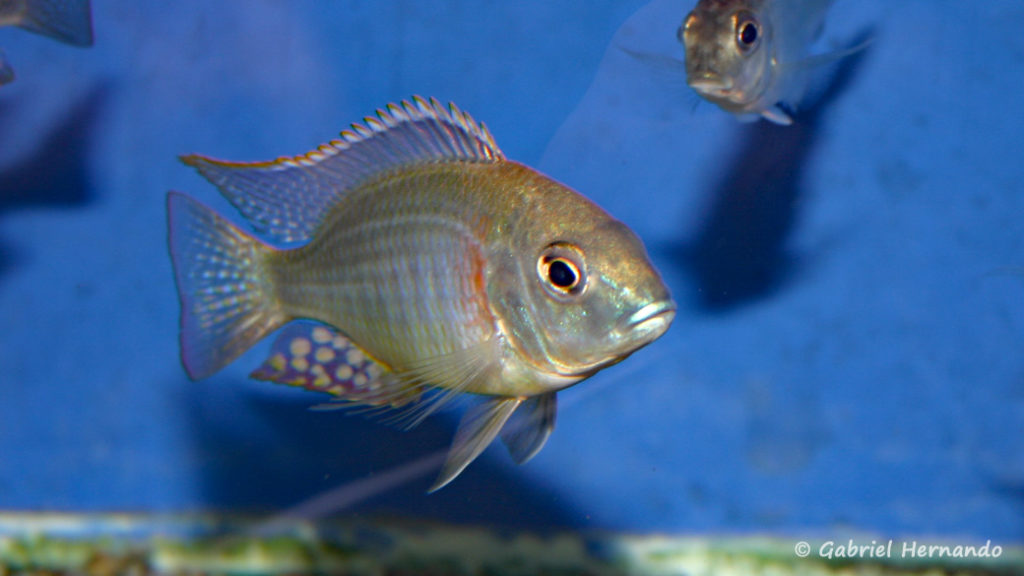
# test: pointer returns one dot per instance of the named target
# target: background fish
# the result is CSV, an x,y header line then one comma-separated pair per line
x,y
69,21
750,56
6,73
437,266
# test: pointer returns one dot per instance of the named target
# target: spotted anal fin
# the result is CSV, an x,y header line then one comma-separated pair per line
x,y
530,426
477,430
319,358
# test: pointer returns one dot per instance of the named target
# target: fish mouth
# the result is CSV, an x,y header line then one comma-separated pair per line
x,y
711,84
650,322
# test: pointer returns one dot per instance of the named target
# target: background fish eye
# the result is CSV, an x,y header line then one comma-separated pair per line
x,y
561,269
747,32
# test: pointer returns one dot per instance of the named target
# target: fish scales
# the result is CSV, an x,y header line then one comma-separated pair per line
x,y
420,233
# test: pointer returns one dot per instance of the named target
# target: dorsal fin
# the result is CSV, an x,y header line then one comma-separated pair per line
x,y
287,198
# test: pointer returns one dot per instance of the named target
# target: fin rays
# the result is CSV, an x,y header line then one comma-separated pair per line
x,y
287,198
320,358
530,427
476,431
226,306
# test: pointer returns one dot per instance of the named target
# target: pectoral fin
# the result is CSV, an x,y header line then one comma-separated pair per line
x,y
478,427
778,115
827,58
530,426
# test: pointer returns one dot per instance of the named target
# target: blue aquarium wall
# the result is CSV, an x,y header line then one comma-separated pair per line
x,y
849,350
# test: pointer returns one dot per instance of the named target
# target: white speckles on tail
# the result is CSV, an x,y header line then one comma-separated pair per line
x,y
227,303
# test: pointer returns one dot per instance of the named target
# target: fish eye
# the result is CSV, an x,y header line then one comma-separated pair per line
x,y
748,32
561,269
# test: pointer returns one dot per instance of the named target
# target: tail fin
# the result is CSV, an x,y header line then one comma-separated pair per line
x,y
69,21
227,301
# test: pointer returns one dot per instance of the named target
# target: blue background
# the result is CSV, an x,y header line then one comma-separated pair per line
x,y
849,350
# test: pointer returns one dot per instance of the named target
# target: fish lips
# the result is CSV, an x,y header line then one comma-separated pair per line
x,y
711,85
648,323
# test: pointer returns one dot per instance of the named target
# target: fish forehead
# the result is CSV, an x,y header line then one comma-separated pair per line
x,y
713,15
711,26
727,7
708,37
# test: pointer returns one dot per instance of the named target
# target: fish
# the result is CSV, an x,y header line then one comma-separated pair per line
x,y
69,21
750,57
412,264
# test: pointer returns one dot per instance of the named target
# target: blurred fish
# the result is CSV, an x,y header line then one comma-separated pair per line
x,y
69,21
6,73
436,268
750,56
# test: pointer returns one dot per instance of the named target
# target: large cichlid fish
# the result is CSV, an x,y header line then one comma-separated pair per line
x,y
435,268
750,57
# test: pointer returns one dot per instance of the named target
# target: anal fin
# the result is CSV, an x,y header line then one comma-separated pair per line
x,y
319,358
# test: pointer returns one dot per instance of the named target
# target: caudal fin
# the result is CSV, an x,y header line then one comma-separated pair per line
x,y
69,21
227,302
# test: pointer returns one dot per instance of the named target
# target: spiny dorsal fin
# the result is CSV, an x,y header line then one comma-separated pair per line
x,y
287,198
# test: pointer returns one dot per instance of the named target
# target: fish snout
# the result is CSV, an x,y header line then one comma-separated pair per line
x,y
649,322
